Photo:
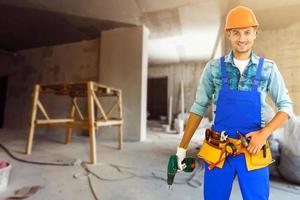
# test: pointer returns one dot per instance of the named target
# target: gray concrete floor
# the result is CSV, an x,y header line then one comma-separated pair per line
x,y
147,160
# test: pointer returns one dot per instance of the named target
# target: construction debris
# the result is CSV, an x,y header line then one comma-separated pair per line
x,y
24,192
4,175
290,151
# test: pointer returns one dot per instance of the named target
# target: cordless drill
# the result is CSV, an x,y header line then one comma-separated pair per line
x,y
172,167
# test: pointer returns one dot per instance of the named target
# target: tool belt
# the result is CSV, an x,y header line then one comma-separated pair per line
x,y
214,151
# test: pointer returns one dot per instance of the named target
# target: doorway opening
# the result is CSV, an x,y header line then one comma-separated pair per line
x,y
157,98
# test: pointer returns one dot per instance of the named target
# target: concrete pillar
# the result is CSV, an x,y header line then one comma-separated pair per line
x,y
124,65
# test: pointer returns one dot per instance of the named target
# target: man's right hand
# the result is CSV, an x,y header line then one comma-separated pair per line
x,y
181,154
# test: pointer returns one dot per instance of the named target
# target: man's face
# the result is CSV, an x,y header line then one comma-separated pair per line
x,y
242,39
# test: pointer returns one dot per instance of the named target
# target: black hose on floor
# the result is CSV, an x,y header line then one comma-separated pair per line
x,y
33,162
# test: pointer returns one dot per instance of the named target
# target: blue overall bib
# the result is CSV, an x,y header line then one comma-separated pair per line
x,y
237,111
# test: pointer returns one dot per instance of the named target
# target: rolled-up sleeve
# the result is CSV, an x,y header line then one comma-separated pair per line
x,y
204,92
279,92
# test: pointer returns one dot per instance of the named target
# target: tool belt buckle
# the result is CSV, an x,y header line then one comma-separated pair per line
x,y
223,136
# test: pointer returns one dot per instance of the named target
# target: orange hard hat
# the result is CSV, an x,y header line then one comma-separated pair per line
x,y
240,17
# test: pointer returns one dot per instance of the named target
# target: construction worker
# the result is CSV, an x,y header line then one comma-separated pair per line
x,y
237,84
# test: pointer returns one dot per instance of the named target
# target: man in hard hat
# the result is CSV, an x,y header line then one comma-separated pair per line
x,y
237,84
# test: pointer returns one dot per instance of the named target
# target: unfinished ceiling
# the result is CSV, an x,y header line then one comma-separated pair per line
x,y
24,28
180,30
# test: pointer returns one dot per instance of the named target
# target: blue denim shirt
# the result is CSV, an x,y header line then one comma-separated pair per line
x,y
271,82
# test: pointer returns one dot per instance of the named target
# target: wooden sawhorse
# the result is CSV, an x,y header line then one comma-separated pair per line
x,y
92,91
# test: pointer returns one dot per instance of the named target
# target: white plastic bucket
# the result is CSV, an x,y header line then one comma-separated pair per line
x,y
4,176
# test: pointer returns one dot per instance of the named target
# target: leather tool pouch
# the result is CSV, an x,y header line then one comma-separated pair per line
x,y
210,153
257,161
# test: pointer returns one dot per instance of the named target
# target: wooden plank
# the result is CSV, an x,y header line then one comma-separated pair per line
x,y
78,89
66,125
51,121
101,86
91,119
33,117
41,107
108,123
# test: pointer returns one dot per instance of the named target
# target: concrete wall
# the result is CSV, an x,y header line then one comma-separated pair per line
x,y
123,64
6,68
6,63
74,62
283,46
188,72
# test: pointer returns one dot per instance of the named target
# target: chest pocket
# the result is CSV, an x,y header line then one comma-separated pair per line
x,y
218,83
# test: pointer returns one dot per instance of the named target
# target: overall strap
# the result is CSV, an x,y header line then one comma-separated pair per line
x,y
224,74
258,74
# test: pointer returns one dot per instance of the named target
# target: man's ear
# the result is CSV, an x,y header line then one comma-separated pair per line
x,y
256,29
228,32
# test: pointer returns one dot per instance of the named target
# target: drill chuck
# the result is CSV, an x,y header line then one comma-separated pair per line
x,y
170,179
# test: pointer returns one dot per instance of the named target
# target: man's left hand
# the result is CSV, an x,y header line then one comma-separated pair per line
x,y
258,139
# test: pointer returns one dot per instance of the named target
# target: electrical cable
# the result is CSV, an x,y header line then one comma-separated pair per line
x,y
92,188
34,162
83,164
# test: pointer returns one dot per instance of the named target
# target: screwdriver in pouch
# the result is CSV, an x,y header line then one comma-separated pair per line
x,y
264,151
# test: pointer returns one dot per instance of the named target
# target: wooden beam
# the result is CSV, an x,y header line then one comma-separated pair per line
x,y
67,125
108,123
33,117
121,117
99,105
41,107
91,118
51,121
74,100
